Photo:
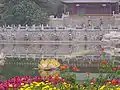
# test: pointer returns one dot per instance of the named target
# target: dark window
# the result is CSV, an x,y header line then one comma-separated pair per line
x,y
85,47
40,46
26,37
117,45
85,37
100,37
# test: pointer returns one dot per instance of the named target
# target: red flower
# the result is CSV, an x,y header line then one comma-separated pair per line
x,y
63,67
114,68
50,77
103,62
62,80
106,81
93,80
88,73
56,78
74,68
113,81
118,67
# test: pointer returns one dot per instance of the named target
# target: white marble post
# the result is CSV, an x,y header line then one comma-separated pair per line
x,y
113,13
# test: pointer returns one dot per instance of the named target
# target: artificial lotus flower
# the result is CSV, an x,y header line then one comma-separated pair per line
x,y
48,67
48,64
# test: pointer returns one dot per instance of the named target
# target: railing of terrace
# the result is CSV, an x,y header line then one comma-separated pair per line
x,y
50,41
80,61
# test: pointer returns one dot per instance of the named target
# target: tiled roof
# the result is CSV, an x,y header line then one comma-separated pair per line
x,y
89,1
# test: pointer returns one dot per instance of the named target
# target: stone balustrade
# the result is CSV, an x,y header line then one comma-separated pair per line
x,y
48,40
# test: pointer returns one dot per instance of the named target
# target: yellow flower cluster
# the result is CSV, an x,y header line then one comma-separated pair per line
x,y
37,85
104,86
41,86
63,86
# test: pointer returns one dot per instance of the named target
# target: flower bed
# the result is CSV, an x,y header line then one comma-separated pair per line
x,y
54,83
31,83
65,79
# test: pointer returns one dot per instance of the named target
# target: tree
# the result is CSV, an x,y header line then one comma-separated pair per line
x,y
57,7
23,12
28,11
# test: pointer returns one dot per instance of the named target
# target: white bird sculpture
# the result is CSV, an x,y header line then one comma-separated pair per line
x,y
2,57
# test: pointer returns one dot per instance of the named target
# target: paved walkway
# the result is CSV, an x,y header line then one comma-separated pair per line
x,y
81,76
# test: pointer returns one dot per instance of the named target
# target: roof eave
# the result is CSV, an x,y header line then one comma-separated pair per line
x,y
85,2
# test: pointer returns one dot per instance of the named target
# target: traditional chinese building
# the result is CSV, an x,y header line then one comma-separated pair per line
x,y
91,7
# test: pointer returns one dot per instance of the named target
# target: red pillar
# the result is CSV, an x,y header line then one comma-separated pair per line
x,y
73,8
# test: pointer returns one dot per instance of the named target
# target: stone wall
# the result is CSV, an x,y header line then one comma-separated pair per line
x,y
79,20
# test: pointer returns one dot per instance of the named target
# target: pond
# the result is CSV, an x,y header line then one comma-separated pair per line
x,y
18,67
23,66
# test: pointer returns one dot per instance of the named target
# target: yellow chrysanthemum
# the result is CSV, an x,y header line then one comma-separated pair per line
x,y
102,88
37,85
91,83
50,88
35,82
46,87
28,88
118,88
26,85
21,89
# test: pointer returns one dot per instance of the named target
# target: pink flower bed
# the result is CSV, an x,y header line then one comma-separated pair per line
x,y
17,80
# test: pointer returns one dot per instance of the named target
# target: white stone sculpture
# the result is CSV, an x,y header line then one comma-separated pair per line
x,y
2,59
111,43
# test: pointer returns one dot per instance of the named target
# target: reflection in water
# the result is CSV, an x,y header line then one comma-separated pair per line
x,y
18,67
